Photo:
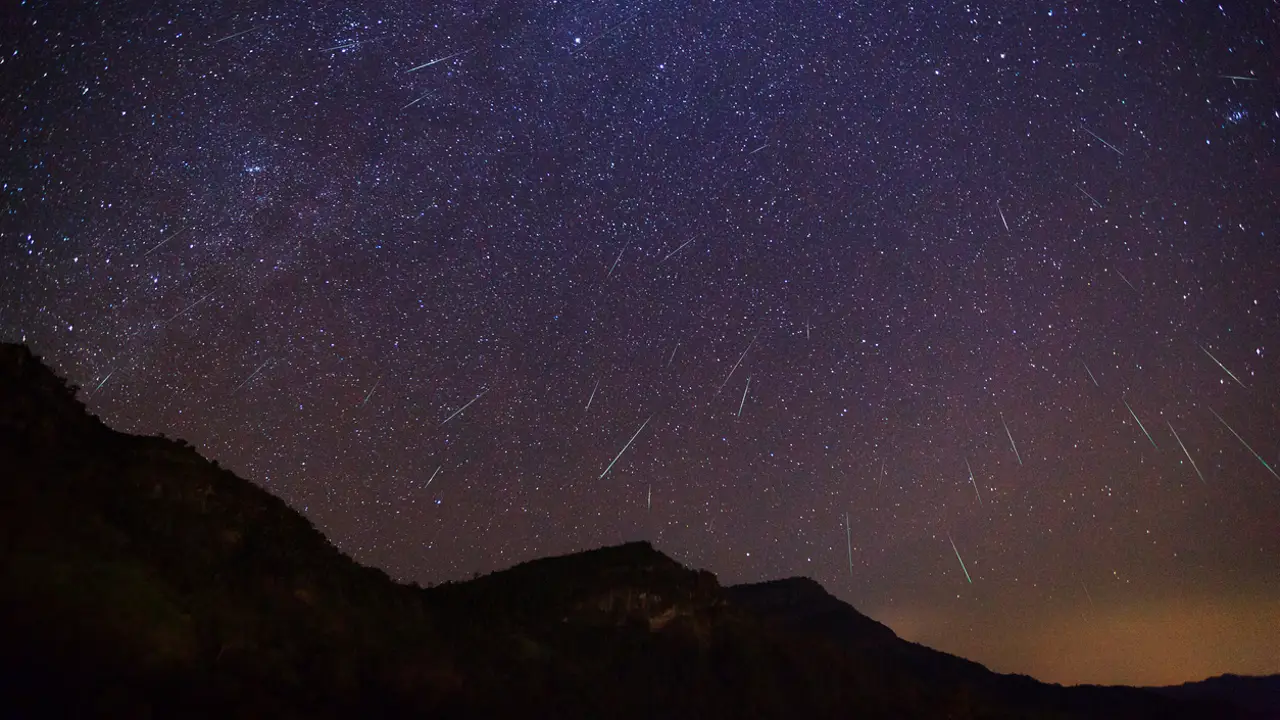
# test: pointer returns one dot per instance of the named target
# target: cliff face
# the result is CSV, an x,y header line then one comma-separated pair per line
x,y
137,580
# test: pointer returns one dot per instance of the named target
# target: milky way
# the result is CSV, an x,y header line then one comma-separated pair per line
x,y
482,282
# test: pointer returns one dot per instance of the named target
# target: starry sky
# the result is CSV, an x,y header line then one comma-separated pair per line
x,y
969,311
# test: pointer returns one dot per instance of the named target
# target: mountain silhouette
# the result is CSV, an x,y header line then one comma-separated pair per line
x,y
138,579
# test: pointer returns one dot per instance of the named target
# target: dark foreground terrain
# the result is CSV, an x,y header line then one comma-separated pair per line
x,y
138,579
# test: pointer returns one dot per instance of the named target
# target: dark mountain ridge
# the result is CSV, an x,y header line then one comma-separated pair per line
x,y
138,579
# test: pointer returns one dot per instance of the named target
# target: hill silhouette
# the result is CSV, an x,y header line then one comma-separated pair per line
x,y
138,579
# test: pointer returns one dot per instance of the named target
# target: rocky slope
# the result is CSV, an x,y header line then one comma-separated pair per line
x,y
138,579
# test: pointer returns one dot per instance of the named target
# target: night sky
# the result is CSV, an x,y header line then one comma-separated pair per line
x,y
858,290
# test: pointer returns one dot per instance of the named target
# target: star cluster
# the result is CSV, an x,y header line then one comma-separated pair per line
x,y
968,311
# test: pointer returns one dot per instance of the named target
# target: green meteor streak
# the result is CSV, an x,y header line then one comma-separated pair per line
x,y
957,552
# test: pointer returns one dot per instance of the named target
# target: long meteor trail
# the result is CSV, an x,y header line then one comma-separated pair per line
x,y
673,252
848,541
972,480
957,552
1104,142
624,448
437,60
104,381
1184,450
458,412
1224,367
251,377
1245,444
1091,377
371,391
619,258
1012,444
1135,419
593,396
744,396
735,365
242,32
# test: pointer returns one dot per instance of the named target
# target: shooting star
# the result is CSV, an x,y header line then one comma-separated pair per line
x,y
1245,444
1104,142
162,242
673,354
1086,593
753,152
806,328
848,541
1224,367
433,477
648,502
104,382
744,396
624,448
375,387
1239,77
252,376
957,552
673,252
187,309
972,480
593,395
618,259
343,46
1126,280
1012,444
1006,222
464,407
236,35
1091,377
735,365
415,102
1184,451
437,60
594,40
1135,418
1086,194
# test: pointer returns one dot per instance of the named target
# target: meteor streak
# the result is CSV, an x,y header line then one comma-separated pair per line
x,y
1184,450
1224,367
104,381
375,387
1091,377
1135,418
1012,444
848,542
957,552
1104,142
972,480
673,252
464,407
1245,444
624,448
437,60
242,32
593,396
735,365
252,376
619,258
1126,281
1086,194
744,396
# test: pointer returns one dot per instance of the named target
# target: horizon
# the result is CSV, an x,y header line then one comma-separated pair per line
x,y
967,314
